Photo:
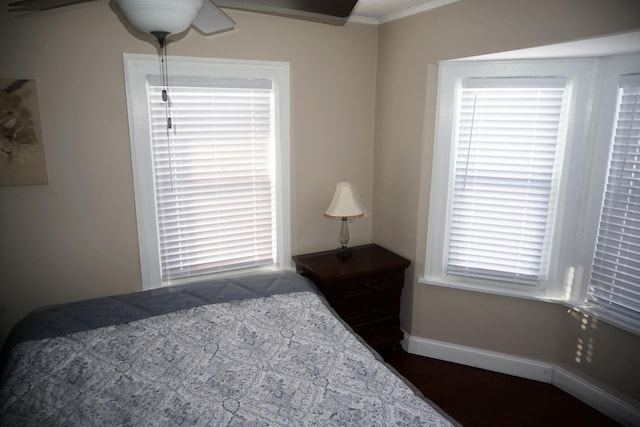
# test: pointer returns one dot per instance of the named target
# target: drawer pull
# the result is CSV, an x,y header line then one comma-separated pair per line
x,y
371,286
369,308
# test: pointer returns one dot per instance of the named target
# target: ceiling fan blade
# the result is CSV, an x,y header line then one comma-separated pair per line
x,y
37,5
210,19
329,11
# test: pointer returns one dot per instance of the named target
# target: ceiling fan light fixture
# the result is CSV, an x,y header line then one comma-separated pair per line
x,y
162,16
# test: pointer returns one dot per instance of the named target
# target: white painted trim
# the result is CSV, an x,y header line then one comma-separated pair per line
x,y
137,68
356,19
622,411
492,361
568,178
431,4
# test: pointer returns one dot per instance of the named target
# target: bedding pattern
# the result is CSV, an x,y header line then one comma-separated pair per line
x,y
277,360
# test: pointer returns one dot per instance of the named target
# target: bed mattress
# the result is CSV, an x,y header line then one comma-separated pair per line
x,y
259,350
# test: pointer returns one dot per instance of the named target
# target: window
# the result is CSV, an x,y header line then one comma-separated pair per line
x,y
210,167
507,137
614,284
531,194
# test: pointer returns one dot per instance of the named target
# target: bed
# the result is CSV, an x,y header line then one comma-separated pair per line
x,y
256,350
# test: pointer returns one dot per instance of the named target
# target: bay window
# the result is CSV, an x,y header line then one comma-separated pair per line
x,y
613,290
536,183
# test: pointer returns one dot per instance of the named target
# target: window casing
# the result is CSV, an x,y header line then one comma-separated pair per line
x,y
508,134
614,283
212,190
565,255
611,291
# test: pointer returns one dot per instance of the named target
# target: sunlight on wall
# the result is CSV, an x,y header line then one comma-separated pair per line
x,y
585,346
582,353
569,277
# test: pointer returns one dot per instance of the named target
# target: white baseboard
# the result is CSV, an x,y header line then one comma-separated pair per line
x,y
491,361
626,413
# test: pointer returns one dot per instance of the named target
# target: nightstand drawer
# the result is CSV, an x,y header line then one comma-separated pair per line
x,y
357,306
345,292
381,331
356,315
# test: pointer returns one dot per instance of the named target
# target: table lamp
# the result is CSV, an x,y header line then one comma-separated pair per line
x,y
345,207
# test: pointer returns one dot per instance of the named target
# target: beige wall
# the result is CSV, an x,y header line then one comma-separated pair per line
x,y
76,237
408,52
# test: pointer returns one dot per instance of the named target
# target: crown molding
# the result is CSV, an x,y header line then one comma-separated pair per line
x,y
431,4
363,20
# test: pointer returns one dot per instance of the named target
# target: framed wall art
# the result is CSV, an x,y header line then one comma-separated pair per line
x,y
22,160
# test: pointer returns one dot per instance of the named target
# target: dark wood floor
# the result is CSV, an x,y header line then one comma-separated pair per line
x,y
476,397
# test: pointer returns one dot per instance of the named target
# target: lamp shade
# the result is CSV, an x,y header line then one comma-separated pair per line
x,y
168,16
345,203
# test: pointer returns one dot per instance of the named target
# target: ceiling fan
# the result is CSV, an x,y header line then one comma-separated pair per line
x,y
164,17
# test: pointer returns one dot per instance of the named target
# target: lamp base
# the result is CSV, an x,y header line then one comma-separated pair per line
x,y
343,252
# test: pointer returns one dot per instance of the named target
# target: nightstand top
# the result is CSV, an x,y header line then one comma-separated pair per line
x,y
372,259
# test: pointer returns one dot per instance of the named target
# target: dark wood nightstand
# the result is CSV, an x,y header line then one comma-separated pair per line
x,y
364,290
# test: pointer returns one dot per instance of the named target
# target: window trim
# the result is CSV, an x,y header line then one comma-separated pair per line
x,y
601,131
499,84
137,67
581,188
579,74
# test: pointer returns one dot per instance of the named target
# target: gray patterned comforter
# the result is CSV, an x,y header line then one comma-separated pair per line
x,y
275,360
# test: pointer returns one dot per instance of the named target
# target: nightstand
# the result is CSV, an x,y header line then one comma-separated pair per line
x,y
363,289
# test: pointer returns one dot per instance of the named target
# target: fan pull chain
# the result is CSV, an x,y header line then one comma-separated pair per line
x,y
164,77
164,74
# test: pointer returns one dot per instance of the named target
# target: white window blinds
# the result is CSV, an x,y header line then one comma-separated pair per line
x,y
507,134
213,175
615,276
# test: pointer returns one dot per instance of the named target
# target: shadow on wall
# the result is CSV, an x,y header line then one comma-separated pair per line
x,y
3,325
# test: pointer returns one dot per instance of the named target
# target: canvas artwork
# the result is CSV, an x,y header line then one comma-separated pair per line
x,y
22,160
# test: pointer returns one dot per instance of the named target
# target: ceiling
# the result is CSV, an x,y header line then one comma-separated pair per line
x,y
380,11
